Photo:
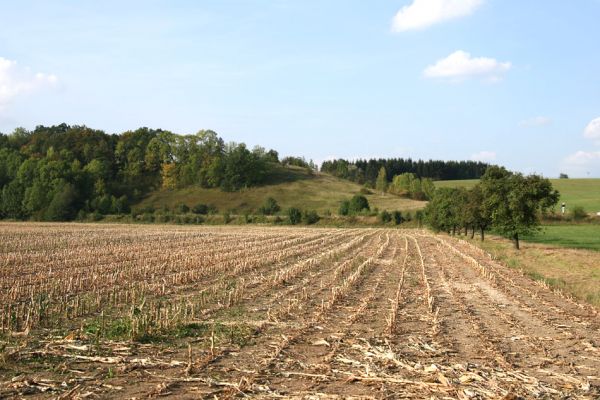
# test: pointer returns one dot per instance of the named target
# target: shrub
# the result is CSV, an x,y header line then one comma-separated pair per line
x,y
294,215
355,205
270,207
397,217
344,208
259,219
200,209
247,217
365,190
385,217
147,217
226,217
419,216
578,213
310,217
122,205
96,216
181,208
358,203
143,210
103,204
162,218
81,215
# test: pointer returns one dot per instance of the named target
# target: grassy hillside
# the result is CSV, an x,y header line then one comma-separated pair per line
x,y
291,187
574,192
468,183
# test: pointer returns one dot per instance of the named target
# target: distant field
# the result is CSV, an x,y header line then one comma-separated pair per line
x,y
574,192
575,236
320,192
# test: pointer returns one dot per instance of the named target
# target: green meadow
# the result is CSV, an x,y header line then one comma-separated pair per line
x,y
583,236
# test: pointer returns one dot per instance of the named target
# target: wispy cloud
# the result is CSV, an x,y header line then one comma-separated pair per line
x,y
535,122
421,14
460,65
484,156
16,81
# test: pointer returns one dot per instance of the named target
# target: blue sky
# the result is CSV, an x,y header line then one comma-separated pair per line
x,y
510,82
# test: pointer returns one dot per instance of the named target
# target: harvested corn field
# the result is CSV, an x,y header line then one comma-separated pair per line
x,y
107,311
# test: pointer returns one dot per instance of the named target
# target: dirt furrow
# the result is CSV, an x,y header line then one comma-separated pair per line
x,y
459,332
322,313
270,339
541,310
555,304
523,340
359,315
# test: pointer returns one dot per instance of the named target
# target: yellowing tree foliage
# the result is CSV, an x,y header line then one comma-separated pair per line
x,y
168,174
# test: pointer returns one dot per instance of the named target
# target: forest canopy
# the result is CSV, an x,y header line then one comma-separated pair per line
x,y
53,173
64,172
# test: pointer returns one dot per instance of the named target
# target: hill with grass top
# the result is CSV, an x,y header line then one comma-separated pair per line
x,y
290,186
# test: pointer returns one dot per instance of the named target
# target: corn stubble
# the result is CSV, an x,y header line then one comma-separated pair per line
x,y
280,312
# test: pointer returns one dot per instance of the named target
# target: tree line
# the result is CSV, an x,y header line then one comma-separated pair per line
x,y
509,203
57,172
366,171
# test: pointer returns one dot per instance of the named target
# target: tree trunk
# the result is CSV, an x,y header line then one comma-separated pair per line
x,y
473,232
454,230
516,238
482,233
466,230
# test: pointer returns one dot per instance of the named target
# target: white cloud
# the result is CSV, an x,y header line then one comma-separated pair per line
x,y
592,130
582,164
535,122
421,14
583,157
16,81
460,65
585,163
484,156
